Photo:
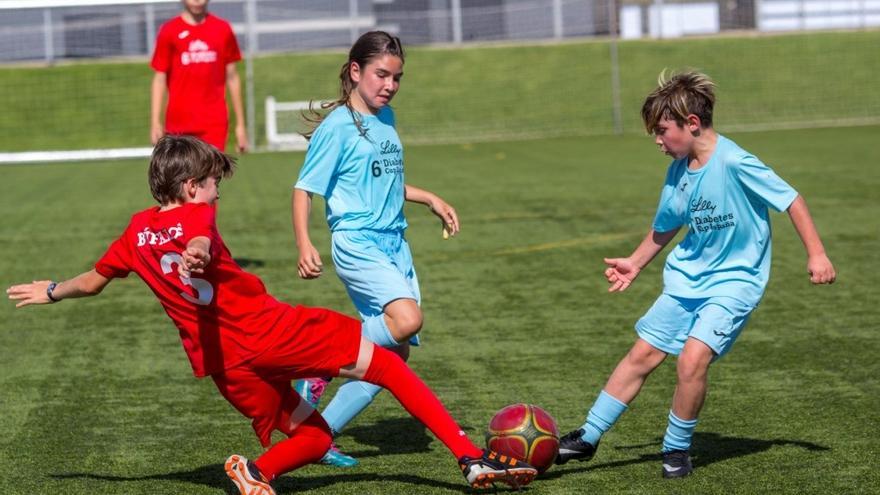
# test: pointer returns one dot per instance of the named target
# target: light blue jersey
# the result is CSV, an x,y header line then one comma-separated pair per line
x,y
726,252
360,177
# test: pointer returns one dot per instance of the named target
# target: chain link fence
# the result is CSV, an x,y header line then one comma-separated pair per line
x,y
81,64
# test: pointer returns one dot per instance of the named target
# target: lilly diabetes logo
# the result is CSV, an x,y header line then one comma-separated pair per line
x,y
705,219
391,161
198,53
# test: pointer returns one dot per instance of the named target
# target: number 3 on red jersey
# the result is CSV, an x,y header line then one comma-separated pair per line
x,y
204,290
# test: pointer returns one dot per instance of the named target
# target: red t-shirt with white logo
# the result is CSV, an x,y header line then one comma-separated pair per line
x,y
194,57
224,315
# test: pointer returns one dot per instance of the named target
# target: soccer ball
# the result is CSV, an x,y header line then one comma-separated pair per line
x,y
524,432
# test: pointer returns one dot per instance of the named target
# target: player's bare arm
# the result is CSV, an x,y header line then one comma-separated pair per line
x,y
90,283
621,272
196,256
441,208
157,99
234,84
309,264
818,265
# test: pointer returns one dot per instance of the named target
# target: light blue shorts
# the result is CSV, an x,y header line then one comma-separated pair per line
x,y
376,268
715,321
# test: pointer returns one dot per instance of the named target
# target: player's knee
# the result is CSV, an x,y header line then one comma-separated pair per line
x,y
691,368
405,324
644,358
693,363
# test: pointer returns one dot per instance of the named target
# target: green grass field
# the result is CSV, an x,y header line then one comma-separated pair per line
x,y
97,396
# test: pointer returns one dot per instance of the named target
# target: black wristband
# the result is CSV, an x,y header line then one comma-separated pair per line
x,y
49,290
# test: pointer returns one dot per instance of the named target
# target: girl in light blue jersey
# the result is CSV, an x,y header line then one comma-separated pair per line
x,y
355,161
712,280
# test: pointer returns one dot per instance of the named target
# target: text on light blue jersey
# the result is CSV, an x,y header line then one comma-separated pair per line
x,y
726,251
359,176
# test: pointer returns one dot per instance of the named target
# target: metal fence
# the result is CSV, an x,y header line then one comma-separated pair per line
x,y
47,32
50,30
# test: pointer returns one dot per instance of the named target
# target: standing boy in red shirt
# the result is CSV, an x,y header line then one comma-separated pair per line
x,y
248,342
194,61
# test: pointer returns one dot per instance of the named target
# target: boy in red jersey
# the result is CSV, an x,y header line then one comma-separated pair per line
x,y
194,61
251,344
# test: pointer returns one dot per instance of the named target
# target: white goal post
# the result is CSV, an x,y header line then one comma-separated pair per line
x,y
288,137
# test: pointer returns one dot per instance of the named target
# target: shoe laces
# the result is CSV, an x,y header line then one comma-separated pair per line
x,y
503,459
677,456
575,436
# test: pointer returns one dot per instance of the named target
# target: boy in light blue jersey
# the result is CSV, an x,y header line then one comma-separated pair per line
x,y
355,161
712,280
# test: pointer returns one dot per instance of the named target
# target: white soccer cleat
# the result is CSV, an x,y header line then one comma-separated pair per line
x,y
247,477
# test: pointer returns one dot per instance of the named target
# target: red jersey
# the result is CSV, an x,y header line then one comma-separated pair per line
x,y
194,57
224,315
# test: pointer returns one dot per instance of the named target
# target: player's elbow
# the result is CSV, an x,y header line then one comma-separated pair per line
x,y
797,204
92,284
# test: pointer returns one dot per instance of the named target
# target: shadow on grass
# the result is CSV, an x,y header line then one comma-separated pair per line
x,y
392,436
213,476
708,448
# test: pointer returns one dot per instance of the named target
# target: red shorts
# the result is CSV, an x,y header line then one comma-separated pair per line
x,y
319,343
215,136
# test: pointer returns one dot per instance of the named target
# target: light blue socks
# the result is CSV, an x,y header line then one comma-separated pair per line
x,y
678,433
351,398
602,416
354,395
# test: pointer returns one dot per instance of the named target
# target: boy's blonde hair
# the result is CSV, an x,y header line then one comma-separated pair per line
x,y
677,96
177,159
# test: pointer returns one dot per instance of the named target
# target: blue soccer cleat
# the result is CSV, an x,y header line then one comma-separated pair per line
x,y
311,389
335,457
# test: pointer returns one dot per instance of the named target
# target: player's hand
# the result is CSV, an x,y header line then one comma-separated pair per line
x,y
821,270
195,259
309,265
32,293
156,133
621,272
447,215
242,138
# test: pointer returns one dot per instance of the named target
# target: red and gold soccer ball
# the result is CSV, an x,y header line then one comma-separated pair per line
x,y
524,432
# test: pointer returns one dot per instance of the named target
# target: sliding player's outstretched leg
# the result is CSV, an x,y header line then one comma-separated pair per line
x,y
307,441
481,468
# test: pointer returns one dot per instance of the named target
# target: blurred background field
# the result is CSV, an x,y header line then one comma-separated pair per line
x,y
76,76
484,93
